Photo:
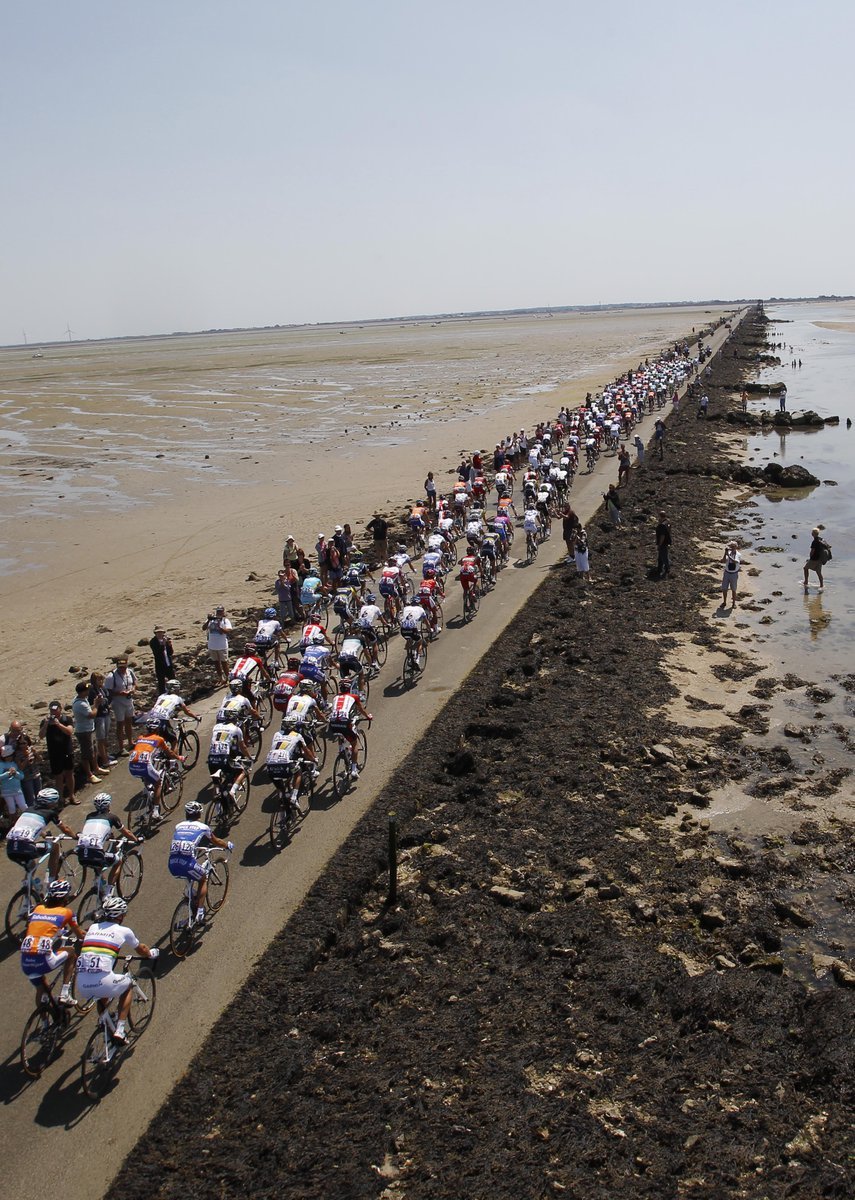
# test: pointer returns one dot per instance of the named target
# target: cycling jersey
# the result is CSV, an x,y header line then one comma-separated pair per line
x,y
315,662
431,564
148,757
246,668
102,945
301,710
412,619
343,712
435,543
285,749
93,837
402,559
233,710
284,688
390,581
474,530
312,633
187,837
310,590
368,614
267,633
531,521
166,706
488,546
23,842
351,649
43,927
225,741
446,524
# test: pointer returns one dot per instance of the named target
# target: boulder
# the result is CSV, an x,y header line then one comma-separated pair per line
x,y
806,419
795,476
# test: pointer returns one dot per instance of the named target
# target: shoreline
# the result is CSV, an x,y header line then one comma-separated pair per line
x,y
586,993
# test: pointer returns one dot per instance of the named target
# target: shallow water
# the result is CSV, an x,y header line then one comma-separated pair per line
x,y
809,635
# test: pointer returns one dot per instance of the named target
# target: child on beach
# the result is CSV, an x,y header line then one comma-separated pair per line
x,y
730,575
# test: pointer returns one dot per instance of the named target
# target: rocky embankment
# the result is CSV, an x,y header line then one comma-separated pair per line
x,y
580,989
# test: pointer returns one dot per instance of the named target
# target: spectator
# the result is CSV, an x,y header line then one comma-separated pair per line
x,y
100,702
580,553
84,731
57,729
289,553
659,437
663,547
569,524
820,553
284,595
164,659
11,779
639,449
430,488
24,757
321,553
612,500
219,627
623,466
379,530
120,686
730,575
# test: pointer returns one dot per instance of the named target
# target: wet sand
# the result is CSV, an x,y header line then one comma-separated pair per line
x,y
145,479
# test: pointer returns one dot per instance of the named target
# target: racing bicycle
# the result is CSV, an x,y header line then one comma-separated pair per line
x,y
186,926
103,1054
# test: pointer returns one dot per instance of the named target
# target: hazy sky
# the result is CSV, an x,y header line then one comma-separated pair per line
x,y
203,163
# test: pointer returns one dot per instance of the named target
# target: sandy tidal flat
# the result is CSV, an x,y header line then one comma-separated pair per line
x,y
144,479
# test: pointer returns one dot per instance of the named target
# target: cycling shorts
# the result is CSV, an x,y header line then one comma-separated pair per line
x,y
92,856
388,588
35,966
347,665
145,771
310,671
185,868
342,727
102,985
22,853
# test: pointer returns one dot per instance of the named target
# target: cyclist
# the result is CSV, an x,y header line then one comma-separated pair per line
x,y
544,499
431,564
286,685
350,659
470,573
166,709
291,753
237,708
474,528
489,553
416,520
249,668
227,752
346,710
369,615
313,635
303,709
148,761
311,589
413,622
95,840
38,954
104,941
269,633
392,585
25,841
315,665
531,523
428,598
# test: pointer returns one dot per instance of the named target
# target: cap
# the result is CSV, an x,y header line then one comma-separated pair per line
x,y
322,535
290,537
159,629
338,529
54,705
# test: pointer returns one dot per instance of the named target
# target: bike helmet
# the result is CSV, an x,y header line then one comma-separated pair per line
x,y
192,810
306,687
59,889
250,648
114,908
429,572
235,687
48,798
270,614
348,685
102,802
370,598
316,638
293,663
173,686
152,724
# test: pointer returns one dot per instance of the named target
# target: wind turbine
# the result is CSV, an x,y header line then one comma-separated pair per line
x,y
68,330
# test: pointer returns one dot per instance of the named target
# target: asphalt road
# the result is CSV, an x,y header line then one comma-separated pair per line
x,y
52,1132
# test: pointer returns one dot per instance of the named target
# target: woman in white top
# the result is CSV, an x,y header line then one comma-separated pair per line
x,y
730,575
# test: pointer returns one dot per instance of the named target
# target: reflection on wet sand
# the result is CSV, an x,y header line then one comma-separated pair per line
x,y
818,616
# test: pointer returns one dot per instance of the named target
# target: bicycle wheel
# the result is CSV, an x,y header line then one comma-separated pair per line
x,y
218,884
180,930
70,870
240,796
170,795
99,1064
341,774
39,1042
188,745
319,744
361,749
130,875
382,650
253,740
143,996
440,623
17,916
280,827
265,709
215,814
88,906
409,671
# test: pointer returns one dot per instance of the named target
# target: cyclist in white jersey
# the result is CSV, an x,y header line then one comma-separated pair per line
x,y
97,980
166,709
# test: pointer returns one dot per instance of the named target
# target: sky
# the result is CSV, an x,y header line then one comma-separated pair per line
x,y
207,164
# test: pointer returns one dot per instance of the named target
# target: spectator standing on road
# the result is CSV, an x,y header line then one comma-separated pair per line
x,y
624,465
57,729
663,546
218,627
121,685
84,731
164,658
